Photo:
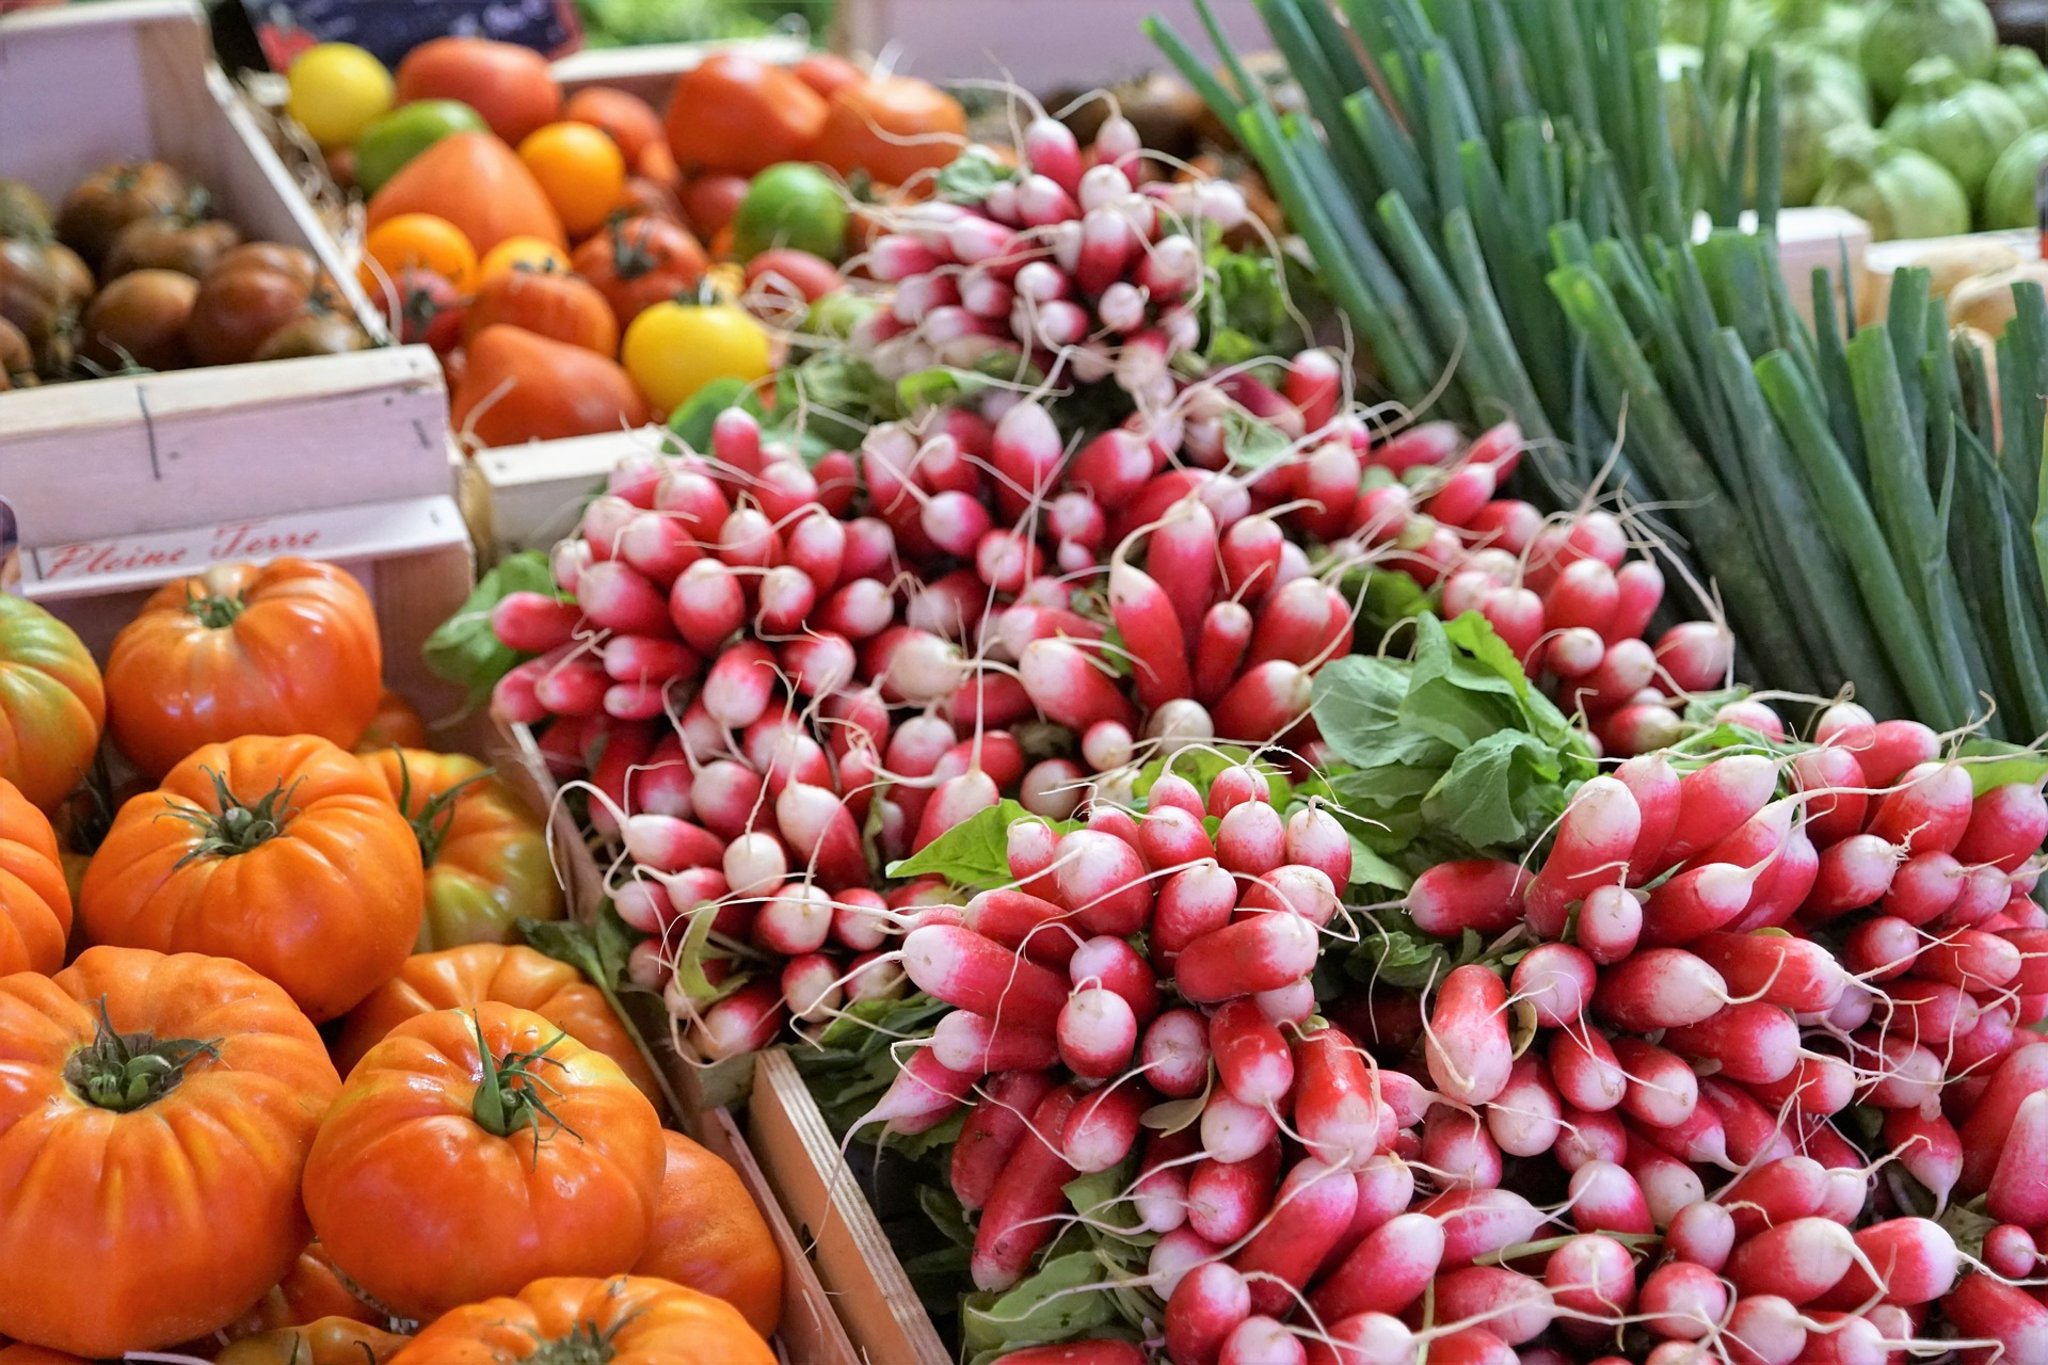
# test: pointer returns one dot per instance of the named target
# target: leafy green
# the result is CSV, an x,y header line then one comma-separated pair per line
x,y
974,853
464,649
1995,764
970,177
1394,953
1062,1300
601,948
852,1062
1247,306
1200,766
691,423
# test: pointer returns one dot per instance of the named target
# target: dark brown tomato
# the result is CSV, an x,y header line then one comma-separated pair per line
x,y
140,320
32,297
249,295
74,276
171,243
321,331
111,198
15,359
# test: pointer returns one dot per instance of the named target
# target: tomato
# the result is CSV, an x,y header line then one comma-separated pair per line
x,y
674,349
17,363
486,856
286,648
895,129
75,281
324,1341
139,320
20,1353
507,84
245,297
552,303
520,253
23,212
309,1291
115,1067
709,1235
397,720
510,974
403,134
33,299
580,169
645,198
474,1151
475,182
711,200
657,163
626,119
287,854
792,205
35,901
111,198
336,91
320,330
648,1321
827,73
735,113
636,263
170,242
417,240
52,703
539,389
422,307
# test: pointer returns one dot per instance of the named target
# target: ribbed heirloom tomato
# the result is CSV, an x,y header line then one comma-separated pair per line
x,y
641,261
547,302
627,1317
287,854
51,703
709,1235
308,1292
486,858
510,974
155,1115
474,1151
286,648
324,1341
35,903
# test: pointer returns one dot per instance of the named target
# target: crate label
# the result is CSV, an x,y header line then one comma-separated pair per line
x,y
94,566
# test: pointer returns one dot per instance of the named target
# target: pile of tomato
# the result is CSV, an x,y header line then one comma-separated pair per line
x,y
586,262
281,1080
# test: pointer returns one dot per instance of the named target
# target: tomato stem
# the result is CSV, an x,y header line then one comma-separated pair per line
x,y
240,826
126,1071
513,1094
215,612
585,1344
436,816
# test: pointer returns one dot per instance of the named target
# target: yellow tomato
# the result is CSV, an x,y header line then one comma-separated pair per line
x,y
532,253
337,90
674,349
418,241
580,169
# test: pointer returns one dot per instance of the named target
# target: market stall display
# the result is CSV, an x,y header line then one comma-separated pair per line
x,y
1340,738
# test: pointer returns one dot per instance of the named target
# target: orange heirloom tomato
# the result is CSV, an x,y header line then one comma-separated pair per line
x,y
51,703
324,1341
285,648
625,118
155,1116
472,1152
287,854
549,303
477,183
640,261
518,386
397,722
520,253
35,901
895,129
581,170
416,241
710,1235
20,1353
309,1292
510,974
486,855
627,1317
736,113
509,85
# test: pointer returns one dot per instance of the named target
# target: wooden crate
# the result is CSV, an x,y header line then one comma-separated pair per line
x,y
82,86
1042,45
854,1260
537,491
650,71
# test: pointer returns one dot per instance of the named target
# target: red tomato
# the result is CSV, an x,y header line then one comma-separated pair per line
x,y
509,85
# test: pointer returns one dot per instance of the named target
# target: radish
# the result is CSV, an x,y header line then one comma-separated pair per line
x,y
2018,1192
1150,626
1116,965
1103,880
1174,1053
1586,1071
1751,1041
1481,1222
1654,783
1777,1191
820,830
1174,1255
1160,1195
1313,1208
1265,701
1584,1136
1702,1233
1337,1109
1038,928
1980,1307
1798,1261
1659,988
1682,1301
663,843
1252,1059
1261,953
1097,1033
740,685
975,973
974,1043
1075,1353
2007,826
1386,1272
1210,1302
1514,1306
1605,1198
1594,841
1753,1133
1835,779
1763,1329
1669,1185
1262,1340
745,1021
1468,1051
1793,973
1524,1118
1480,894
794,921
1192,902
1068,689
2010,1252
1610,924
1170,837
1251,840
755,865
1915,1261
1556,980
1458,1150
1924,887
1026,1200
1226,1199
573,687
1929,810
533,622
1891,748
1101,1127
924,1094
811,990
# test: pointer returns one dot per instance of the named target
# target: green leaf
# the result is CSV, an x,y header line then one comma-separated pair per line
x,y
691,423
1476,800
691,955
1454,696
2000,765
1253,444
973,173
1395,953
1370,869
941,386
1475,635
975,853
1063,1300
464,649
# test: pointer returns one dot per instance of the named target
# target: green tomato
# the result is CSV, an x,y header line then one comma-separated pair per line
x,y
407,131
795,205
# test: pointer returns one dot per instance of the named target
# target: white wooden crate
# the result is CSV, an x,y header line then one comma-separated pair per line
x,y
650,72
1040,44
